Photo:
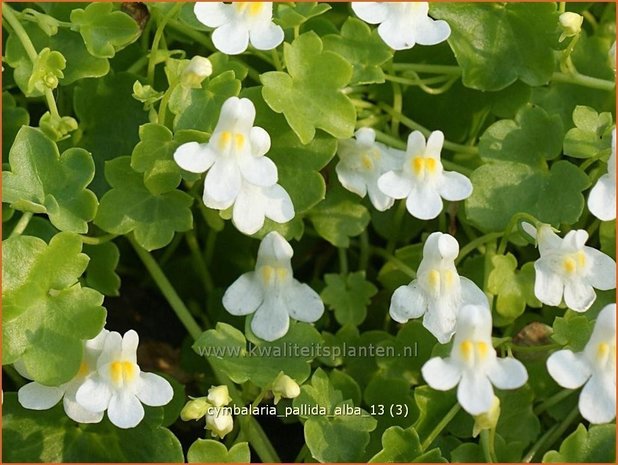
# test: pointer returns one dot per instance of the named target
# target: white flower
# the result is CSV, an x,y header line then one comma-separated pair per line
x,y
602,198
362,162
219,421
438,292
423,180
571,24
284,386
36,396
219,395
403,24
198,69
566,266
235,151
272,293
119,386
594,368
473,364
239,23
255,203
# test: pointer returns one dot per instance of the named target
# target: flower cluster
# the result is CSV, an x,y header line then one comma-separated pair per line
x,y
271,293
109,379
416,175
219,420
239,173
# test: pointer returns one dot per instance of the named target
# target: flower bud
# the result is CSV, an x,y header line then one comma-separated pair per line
x,y
219,396
487,420
220,424
571,24
284,386
198,69
195,409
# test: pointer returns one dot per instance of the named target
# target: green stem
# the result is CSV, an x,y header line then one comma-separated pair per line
x,y
363,261
397,262
533,349
397,221
561,7
196,252
98,240
551,436
475,244
515,219
302,454
553,400
166,288
397,107
259,440
164,102
157,39
276,59
22,224
343,260
417,127
440,426
259,398
197,36
428,68
488,438
585,81
415,82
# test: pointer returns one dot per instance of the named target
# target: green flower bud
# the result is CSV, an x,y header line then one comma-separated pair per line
x,y
487,420
284,386
198,69
195,409
219,396
571,24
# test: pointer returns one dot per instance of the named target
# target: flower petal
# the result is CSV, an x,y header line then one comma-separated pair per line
x,y
475,393
249,209
507,373
407,302
604,330
597,402
125,410
395,184
154,390
602,199
279,206
212,14
260,171
455,186
222,185
267,37
260,141
379,199
194,157
231,38
578,295
237,115
603,275
304,304
568,369
351,179
424,203
271,320
431,32
274,247
435,141
416,144
471,294
440,318
94,394
244,296
397,34
130,342
441,374
548,286
35,396
78,413
370,12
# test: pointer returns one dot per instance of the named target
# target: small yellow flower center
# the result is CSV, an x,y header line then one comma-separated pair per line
x,y
227,137
84,369
251,8
474,351
367,162
434,280
122,371
422,165
272,274
574,263
440,280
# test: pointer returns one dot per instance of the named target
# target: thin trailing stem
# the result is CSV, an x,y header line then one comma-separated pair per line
x,y
343,260
551,436
98,240
396,261
431,437
157,39
22,224
553,400
475,244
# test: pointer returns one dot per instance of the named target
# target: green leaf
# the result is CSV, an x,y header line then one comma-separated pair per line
x,y
503,189
200,108
46,313
391,276
310,95
109,120
339,217
432,406
404,445
289,16
43,181
210,451
572,331
363,48
51,436
79,63
607,237
350,390
531,138
105,31
13,118
598,444
130,207
591,134
299,164
348,295
515,289
513,40
517,420
471,453
339,436
101,272
259,361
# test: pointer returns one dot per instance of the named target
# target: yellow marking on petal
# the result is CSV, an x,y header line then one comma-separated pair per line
x,y
467,350
449,278
434,279
224,139
122,371
267,273
482,349
418,165
84,369
282,273
239,140
129,371
569,265
252,8
581,259
431,165
116,371
367,162
602,350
